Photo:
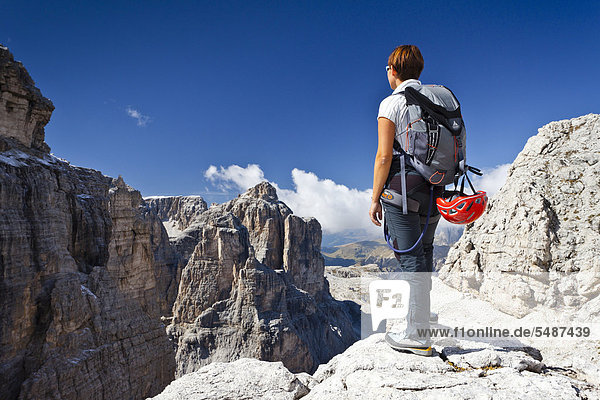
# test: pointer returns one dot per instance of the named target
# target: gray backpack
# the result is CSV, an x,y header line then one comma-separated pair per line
x,y
433,133
433,137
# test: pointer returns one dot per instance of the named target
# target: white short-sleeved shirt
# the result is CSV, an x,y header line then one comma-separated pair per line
x,y
394,107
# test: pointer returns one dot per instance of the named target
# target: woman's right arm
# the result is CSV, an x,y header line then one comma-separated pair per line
x,y
383,160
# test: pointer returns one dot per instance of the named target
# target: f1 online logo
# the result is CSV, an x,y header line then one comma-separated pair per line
x,y
388,300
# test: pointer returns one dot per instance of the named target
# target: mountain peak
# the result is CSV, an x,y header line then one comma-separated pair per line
x,y
263,190
24,112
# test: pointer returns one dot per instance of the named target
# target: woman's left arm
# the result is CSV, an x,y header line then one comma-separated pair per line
x,y
383,160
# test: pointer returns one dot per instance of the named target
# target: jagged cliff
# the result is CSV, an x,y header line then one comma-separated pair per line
x,y
86,268
177,212
253,286
90,269
538,244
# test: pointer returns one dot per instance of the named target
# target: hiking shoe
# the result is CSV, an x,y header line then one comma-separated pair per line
x,y
403,343
433,318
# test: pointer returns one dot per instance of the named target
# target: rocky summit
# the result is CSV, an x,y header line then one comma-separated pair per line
x,y
24,112
254,285
460,368
538,244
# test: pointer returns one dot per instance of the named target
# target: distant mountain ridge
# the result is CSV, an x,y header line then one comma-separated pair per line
x,y
378,252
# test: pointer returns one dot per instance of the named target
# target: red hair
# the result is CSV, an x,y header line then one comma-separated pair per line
x,y
407,62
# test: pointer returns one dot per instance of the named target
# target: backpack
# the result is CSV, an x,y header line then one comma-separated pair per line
x,y
433,137
433,133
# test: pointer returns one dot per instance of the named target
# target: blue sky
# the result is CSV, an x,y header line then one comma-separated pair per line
x,y
289,84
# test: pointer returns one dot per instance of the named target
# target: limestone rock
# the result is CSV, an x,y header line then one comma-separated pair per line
x,y
140,256
87,270
221,251
464,355
539,241
178,211
370,369
23,110
258,209
231,304
80,295
261,212
245,378
577,358
279,239
302,257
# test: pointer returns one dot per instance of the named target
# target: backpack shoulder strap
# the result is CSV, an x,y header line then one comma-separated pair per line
x,y
440,113
397,145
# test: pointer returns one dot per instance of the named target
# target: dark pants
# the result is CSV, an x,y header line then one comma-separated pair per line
x,y
415,266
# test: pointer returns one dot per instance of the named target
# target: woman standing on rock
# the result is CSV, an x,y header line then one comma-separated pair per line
x,y
404,68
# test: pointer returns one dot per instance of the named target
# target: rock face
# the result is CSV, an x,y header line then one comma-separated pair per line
x,y
86,268
461,370
180,210
539,241
253,286
369,369
302,257
141,258
261,212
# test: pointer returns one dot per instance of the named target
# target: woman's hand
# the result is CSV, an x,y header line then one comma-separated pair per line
x,y
375,213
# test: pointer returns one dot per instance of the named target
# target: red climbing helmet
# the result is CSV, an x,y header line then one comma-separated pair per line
x,y
462,209
459,208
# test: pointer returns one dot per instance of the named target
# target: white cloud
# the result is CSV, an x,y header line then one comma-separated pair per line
x,y
142,120
241,178
492,180
337,207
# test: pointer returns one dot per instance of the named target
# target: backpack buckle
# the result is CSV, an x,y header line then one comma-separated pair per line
x,y
433,138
